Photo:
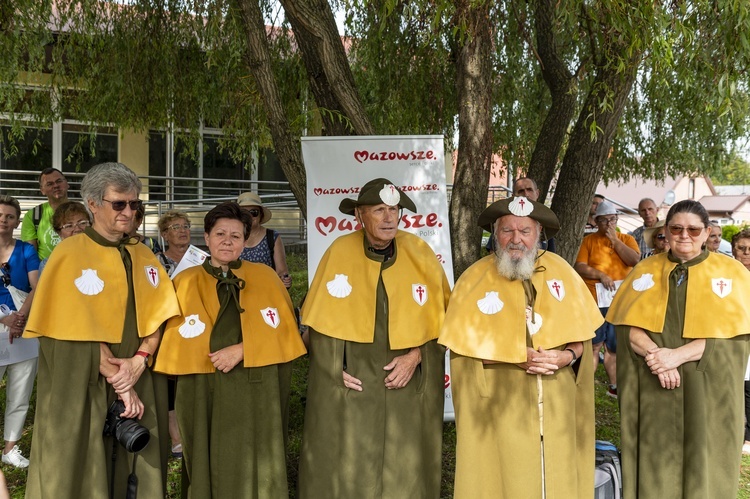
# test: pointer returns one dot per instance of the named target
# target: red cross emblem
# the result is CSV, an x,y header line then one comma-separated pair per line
x,y
556,288
419,293
271,317
152,275
721,286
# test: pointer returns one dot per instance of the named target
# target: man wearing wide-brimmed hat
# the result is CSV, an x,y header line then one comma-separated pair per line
x,y
518,326
373,421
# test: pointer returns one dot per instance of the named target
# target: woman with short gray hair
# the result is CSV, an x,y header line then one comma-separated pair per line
x,y
95,350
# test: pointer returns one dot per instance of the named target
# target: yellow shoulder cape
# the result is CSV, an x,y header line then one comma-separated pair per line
x,y
83,293
486,318
342,298
269,327
641,300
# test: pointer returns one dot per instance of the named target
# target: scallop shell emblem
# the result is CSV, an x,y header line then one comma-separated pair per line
x,y
339,287
89,283
192,327
535,326
646,281
390,195
490,304
521,207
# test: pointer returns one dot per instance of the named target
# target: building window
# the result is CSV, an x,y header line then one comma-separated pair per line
x,y
82,150
219,165
32,153
181,169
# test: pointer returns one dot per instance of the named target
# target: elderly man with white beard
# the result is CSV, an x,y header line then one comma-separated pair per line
x,y
517,324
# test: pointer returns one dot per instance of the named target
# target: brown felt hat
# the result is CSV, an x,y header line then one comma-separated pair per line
x,y
378,191
521,207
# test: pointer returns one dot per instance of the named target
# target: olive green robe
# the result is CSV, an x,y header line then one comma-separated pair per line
x,y
233,425
682,443
70,459
377,443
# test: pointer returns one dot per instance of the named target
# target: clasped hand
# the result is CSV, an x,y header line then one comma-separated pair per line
x,y
227,358
128,373
543,361
401,371
15,323
663,362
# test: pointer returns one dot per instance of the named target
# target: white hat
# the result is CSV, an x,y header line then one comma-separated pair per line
x,y
605,208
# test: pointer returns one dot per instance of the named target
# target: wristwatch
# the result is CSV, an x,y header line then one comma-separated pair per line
x,y
148,359
574,356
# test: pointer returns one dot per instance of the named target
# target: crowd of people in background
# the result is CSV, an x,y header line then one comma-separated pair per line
x,y
139,356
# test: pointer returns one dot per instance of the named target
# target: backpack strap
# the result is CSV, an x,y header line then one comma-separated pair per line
x,y
36,215
271,242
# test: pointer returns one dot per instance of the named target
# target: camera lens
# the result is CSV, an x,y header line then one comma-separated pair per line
x,y
131,435
127,431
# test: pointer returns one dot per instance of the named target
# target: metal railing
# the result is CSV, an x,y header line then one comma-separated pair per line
x,y
161,194
195,196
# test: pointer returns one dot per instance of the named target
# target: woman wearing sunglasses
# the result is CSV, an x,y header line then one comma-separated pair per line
x,y
263,245
656,238
97,313
680,371
19,268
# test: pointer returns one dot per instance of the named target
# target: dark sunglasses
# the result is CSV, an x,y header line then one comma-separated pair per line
x,y
135,205
5,269
660,236
676,230
255,213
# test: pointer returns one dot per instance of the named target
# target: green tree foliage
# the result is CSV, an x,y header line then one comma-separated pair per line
x,y
736,172
637,88
161,64
729,231
581,91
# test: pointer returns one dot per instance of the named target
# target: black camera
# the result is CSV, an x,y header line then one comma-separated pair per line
x,y
127,431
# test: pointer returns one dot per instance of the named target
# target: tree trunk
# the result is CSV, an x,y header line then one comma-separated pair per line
x,y
258,60
327,66
562,86
470,185
585,158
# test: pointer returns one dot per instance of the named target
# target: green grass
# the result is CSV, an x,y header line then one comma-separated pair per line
x,y
607,410
607,419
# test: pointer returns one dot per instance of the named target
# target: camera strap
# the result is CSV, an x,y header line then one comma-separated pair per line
x,y
132,491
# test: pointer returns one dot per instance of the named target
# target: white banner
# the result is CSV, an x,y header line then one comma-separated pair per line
x,y
338,166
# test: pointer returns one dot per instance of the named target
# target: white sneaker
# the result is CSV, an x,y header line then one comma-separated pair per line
x,y
15,458
746,449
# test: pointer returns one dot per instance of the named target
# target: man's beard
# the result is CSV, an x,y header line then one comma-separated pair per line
x,y
521,268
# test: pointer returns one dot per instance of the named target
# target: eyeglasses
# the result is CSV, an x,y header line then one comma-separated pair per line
x,y
677,230
742,249
5,269
660,236
254,212
606,220
135,205
81,224
176,227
